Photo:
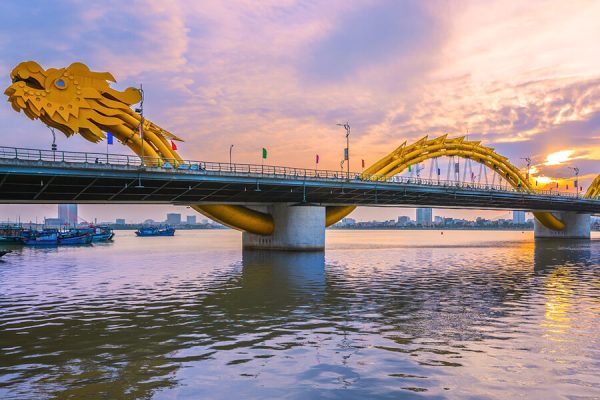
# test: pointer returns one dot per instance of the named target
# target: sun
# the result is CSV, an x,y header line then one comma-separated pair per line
x,y
544,179
559,157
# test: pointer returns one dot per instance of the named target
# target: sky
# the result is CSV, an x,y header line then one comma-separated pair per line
x,y
522,77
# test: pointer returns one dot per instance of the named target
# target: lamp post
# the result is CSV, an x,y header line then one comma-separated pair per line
x,y
230,149
346,126
528,161
140,110
576,170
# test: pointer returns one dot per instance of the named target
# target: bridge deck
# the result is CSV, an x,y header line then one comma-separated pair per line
x,y
37,176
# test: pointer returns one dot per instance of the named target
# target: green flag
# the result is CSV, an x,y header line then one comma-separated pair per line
x,y
409,169
264,153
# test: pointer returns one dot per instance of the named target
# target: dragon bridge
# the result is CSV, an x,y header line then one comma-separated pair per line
x,y
76,100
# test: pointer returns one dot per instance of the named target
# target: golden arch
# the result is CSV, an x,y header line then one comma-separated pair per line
x,y
76,100
424,149
594,189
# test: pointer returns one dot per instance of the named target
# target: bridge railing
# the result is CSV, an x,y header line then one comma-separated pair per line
x,y
103,160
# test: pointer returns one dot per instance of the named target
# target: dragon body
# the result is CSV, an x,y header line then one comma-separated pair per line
x,y
76,100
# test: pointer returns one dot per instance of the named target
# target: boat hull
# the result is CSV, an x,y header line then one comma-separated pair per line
x,y
155,234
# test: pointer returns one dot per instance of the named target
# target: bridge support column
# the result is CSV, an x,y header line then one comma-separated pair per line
x,y
578,226
299,228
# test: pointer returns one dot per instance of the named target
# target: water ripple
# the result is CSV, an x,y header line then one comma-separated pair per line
x,y
377,316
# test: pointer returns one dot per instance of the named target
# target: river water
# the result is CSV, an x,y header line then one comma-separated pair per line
x,y
379,315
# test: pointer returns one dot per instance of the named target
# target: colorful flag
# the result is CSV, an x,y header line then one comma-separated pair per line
x,y
109,138
363,163
264,153
409,168
317,159
439,172
141,130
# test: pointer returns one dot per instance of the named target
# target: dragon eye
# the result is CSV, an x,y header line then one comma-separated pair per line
x,y
60,83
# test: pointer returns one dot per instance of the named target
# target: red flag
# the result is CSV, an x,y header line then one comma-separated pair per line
x,y
363,163
317,159
173,146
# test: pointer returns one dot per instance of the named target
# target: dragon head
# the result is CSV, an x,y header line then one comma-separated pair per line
x,y
72,99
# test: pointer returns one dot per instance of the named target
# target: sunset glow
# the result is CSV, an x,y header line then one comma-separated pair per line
x,y
559,157
281,75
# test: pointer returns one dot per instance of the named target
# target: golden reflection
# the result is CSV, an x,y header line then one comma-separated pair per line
x,y
558,290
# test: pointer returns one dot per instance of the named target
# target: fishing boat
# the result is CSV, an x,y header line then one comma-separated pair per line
x,y
10,234
43,238
98,233
102,234
52,237
75,238
155,231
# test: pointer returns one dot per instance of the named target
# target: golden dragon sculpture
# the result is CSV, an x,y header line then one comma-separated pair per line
x,y
76,100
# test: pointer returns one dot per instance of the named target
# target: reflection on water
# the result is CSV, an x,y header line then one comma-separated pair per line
x,y
379,315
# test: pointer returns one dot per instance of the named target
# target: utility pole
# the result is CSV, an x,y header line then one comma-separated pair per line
x,y
230,164
346,126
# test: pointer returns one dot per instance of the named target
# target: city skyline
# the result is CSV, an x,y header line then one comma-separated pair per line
x,y
213,75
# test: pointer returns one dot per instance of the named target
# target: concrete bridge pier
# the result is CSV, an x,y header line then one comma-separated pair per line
x,y
297,228
578,226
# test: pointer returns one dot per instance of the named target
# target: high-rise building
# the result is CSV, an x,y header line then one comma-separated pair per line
x,y
190,220
67,213
173,219
518,217
424,216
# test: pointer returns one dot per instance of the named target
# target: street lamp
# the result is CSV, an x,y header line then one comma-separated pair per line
x,y
576,170
140,110
230,148
528,161
346,126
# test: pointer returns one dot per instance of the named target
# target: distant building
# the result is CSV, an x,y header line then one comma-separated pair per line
x,y
190,220
173,219
518,217
149,222
67,213
424,216
120,221
437,220
348,221
53,222
403,220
